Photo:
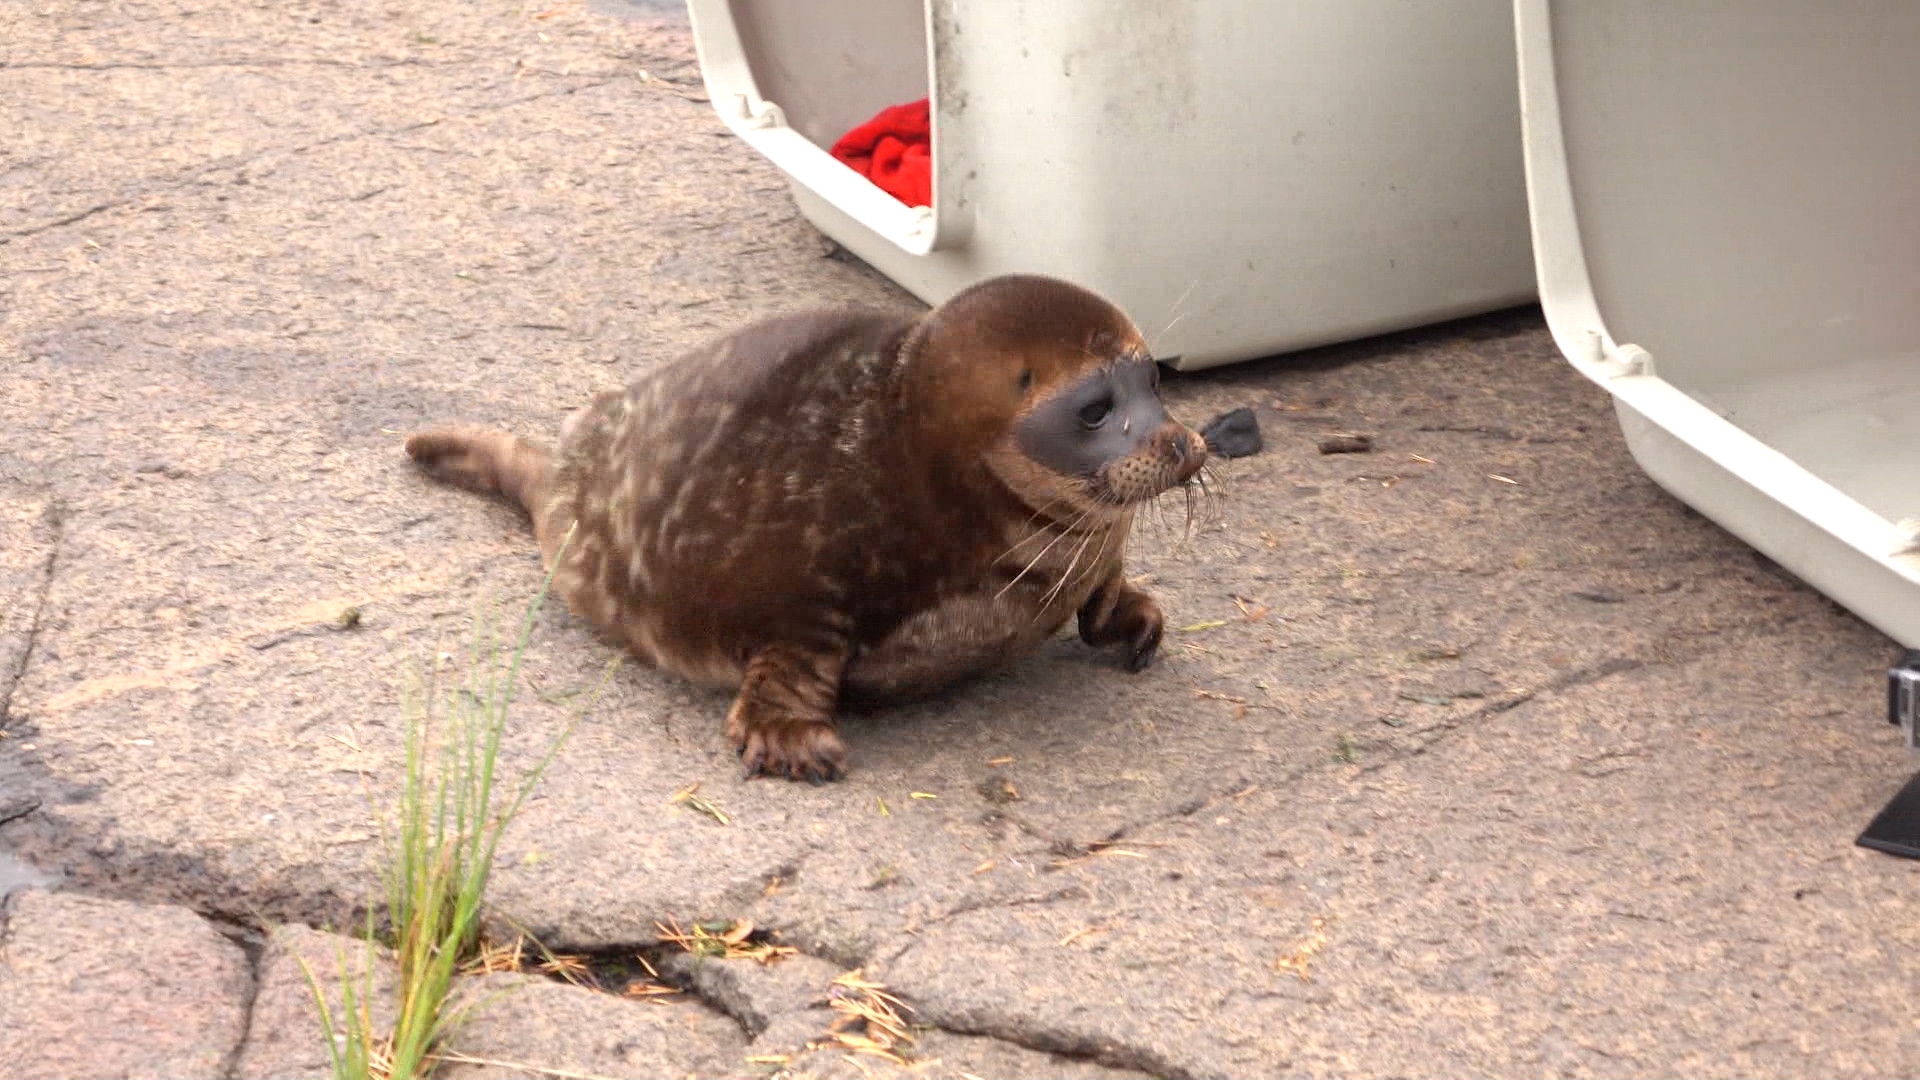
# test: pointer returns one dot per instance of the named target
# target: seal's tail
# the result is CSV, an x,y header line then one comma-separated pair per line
x,y
491,461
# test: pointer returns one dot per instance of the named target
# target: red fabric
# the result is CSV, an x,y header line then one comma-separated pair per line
x,y
894,150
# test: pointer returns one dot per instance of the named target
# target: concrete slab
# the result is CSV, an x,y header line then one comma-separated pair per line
x,y
93,988
286,1038
1548,754
785,1008
949,1057
523,1025
511,1024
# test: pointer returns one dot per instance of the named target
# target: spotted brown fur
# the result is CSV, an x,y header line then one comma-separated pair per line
x,y
840,505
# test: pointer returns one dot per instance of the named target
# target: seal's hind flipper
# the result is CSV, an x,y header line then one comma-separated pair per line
x,y
490,461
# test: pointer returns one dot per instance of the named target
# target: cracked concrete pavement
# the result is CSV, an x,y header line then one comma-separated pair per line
x,y
1439,774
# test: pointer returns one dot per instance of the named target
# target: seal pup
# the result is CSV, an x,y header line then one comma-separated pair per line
x,y
855,506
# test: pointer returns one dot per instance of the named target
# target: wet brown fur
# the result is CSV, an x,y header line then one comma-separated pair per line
x,y
830,506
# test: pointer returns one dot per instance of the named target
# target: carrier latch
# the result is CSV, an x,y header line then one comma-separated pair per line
x,y
1903,697
1896,828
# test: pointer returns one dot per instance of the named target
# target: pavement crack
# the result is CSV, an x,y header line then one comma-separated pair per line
x,y
610,969
1488,431
1054,844
14,810
55,521
1695,569
159,185
1071,1045
999,902
64,220
243,62
968,907
383,133
1239,787
1436,733
689,984
253,947
757,1021
750,892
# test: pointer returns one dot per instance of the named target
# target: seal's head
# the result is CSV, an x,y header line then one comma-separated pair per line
x,y
1055,390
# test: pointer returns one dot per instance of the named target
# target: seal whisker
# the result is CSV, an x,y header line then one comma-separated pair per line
x,y
1152,514
1165,330
1064,532
1174,315
1067,574
1212,479
1161,524
1093,565
1160,514
1037,532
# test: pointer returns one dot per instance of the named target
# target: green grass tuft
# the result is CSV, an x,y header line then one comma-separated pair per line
x,y
439,854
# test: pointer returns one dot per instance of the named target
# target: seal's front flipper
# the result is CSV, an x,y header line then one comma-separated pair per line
x,y
781,724
1118,613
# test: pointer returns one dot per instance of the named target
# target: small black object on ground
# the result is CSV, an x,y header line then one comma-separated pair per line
x,y
1233,434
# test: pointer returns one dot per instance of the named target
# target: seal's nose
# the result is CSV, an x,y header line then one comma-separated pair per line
x,y
1181,446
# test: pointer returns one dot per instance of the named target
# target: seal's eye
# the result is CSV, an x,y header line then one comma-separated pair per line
x,y
1026,380
1095,413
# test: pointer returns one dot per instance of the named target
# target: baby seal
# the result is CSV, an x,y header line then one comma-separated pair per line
x,y
850,506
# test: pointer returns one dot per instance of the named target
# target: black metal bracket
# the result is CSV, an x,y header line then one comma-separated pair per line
x,y
1896,828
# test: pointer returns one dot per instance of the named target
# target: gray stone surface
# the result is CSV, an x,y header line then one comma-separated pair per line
x,y
287,1039
943,1055
522,1023
758,995
93,988
1562,888
785,1009
1569,774
526,1024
